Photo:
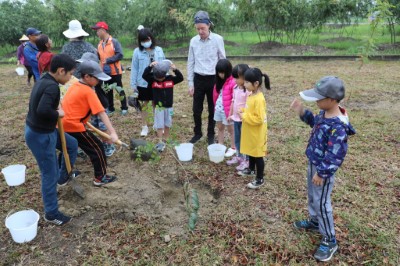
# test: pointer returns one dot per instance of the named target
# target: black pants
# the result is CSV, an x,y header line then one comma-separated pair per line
x,y
257,162
93,147
203,86
110,95
30,73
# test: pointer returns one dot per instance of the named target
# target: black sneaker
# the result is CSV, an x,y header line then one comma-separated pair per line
x,y
103,180
195,139
58,219
210,140
306,225
326,249
255,183
247,172
64,181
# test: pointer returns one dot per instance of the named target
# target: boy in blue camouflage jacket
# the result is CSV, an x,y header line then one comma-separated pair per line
x,y
326,150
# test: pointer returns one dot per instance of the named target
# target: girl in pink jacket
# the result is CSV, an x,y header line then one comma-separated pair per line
x,y
240,95
222,96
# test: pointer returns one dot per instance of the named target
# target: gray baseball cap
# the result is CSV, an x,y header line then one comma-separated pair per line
x,y
92,68
161,69
327,87
88,56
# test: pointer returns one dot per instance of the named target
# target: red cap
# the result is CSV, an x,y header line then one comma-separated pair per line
x,y
100,25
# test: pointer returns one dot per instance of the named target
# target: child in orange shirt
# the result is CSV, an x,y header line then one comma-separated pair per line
x,y
79,103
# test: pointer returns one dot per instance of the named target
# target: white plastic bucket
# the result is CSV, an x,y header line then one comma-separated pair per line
x,y
23,225
20,71
184,151
216,152
14,174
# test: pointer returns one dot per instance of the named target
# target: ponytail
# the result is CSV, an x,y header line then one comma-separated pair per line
x,y
266,81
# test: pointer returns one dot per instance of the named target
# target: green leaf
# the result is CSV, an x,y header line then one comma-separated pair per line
x,y
195,200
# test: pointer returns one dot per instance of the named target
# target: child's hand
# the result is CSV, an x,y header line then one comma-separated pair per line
x,y
173,67
113,137
229,118
297,106
153,63
318,181
240,113
60,111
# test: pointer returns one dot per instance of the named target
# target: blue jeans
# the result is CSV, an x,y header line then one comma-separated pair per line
x,y
43,147
237,126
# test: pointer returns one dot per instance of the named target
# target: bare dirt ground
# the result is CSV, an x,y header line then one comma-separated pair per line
x,y
276,48
126,222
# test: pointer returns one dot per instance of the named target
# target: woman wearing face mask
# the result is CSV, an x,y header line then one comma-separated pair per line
x,y
146,53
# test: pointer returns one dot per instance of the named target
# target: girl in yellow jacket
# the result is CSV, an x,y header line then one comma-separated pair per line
x,y
253,140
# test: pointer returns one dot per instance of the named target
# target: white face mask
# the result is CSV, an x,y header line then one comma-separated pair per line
x,y
146,44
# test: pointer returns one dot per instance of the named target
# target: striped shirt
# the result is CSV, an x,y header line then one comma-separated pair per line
x,y
204,55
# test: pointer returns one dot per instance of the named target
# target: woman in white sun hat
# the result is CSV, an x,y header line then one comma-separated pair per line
x,y
76,46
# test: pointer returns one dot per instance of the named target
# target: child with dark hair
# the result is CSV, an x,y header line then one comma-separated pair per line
x,y
44,44
326,150
254,119
240,95
146,53
162,85
43,138
222,96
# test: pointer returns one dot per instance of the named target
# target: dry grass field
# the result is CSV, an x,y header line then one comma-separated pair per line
x,y
125,223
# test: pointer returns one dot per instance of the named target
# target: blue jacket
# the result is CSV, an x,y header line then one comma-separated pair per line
x,y
30,52
141,60
327,145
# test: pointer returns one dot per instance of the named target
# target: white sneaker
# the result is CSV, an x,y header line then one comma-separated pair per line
x,y
145,131
230,152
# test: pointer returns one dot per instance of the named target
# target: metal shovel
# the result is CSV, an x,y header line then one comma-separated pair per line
x,y
77,188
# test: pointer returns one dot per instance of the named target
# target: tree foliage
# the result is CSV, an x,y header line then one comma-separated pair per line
x,y
287,21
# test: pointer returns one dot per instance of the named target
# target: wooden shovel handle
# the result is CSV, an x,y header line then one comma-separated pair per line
x,y
64,145
102,134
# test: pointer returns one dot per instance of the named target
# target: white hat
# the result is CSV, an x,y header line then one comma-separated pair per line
x,y
24,38
75,30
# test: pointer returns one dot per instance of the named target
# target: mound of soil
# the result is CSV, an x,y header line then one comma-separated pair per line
x,y
267,45
340,39
389,46
234,44
142,190
276,48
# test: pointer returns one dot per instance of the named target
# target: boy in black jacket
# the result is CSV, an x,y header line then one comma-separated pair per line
x,y
162,85
43,138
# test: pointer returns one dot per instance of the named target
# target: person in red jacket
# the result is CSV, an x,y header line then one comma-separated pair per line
x,y
44,44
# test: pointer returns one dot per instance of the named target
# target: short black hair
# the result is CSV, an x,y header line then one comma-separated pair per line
x,y
143,35
41,42
62,61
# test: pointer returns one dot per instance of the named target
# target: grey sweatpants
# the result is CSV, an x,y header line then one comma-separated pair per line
x,y
319,203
